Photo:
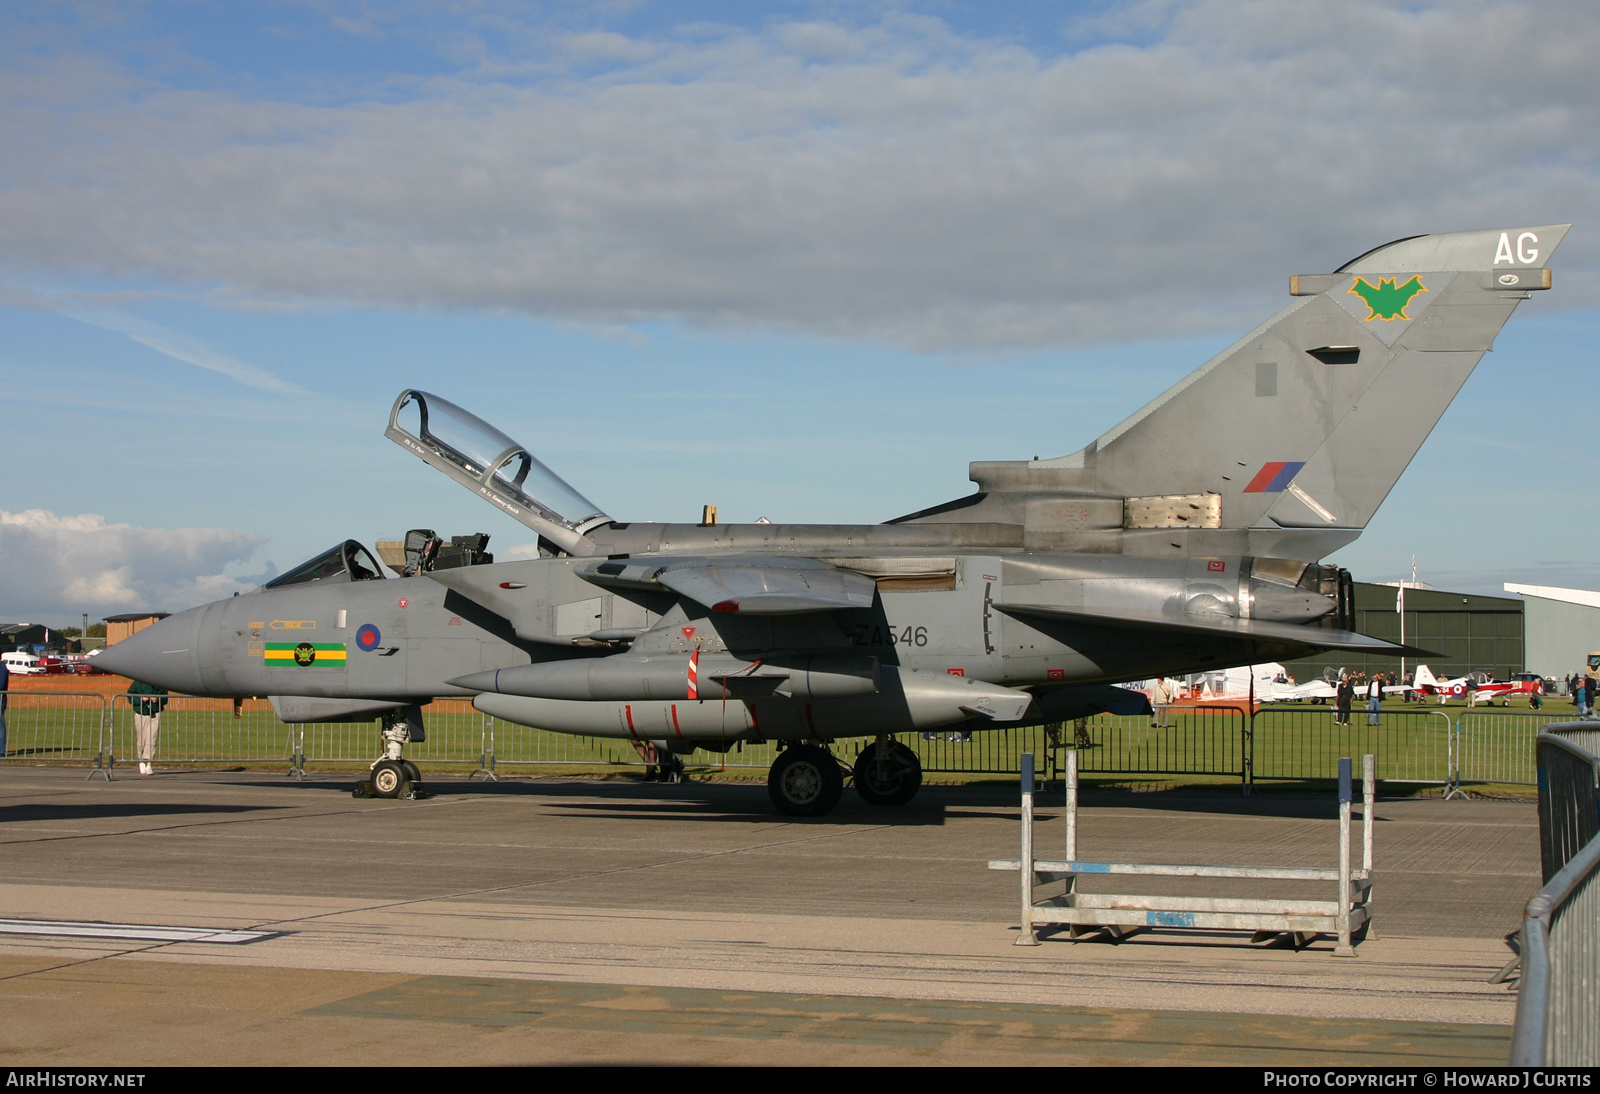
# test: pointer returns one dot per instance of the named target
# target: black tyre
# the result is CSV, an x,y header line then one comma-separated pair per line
x,y
412,772
388,778
893,782
805,782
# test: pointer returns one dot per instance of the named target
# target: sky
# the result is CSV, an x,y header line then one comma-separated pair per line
x,y
799,260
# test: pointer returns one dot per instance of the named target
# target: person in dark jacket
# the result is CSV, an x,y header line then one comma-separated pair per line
x,y
1344,694
5,686
147,701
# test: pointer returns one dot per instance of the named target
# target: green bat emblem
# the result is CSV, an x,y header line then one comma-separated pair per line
x,y
1386,300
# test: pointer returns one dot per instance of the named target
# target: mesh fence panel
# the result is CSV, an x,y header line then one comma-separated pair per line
x,y
1409,746
54,726
1412,746
1500,748
192,730
1195,741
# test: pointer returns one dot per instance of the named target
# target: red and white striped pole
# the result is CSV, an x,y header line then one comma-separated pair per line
x,y
694,675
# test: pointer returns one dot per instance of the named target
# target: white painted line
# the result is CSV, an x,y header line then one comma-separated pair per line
x,y
130,931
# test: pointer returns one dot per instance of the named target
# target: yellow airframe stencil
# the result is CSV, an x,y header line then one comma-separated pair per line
x,y
1386,300
294,624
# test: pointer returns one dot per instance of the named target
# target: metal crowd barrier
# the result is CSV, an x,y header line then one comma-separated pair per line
x,y
1211,740
1408,746
1558,1007
1419,746
1499,748
59,726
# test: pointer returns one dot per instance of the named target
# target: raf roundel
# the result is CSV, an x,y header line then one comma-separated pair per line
x,y
368,637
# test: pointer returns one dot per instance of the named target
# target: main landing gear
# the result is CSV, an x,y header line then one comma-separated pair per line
x,y
807,781
392,775
887,773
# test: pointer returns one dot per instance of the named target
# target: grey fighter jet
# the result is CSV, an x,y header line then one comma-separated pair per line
x,y
1186,538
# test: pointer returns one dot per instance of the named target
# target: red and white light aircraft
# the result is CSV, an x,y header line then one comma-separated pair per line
x,y
1521,685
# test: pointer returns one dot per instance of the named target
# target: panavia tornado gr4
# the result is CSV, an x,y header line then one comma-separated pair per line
x,y
1185,539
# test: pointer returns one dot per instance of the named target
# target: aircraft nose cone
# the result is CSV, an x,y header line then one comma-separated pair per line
x,y
161,654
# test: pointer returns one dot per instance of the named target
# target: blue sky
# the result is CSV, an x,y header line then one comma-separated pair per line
x,y
802,261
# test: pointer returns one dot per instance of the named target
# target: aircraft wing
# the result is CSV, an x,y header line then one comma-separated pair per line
x,y
751,584
1214,627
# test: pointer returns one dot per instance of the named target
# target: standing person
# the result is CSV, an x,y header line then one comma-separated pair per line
x,y
647,753
1472,690
1161,696
1080,734
1579,696
1374,697
147,710
5,687
660,763
1343,695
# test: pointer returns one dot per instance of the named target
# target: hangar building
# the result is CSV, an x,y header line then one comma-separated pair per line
x,y
1563,627
1469,632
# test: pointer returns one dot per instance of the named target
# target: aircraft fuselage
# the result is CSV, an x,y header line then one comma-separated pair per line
x,y
943,641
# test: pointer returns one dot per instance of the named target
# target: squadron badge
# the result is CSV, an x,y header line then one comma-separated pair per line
x,y
1386,300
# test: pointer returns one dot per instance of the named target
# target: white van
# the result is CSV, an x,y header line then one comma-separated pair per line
x,y
24,664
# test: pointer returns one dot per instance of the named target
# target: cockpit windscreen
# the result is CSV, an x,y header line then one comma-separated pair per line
x,y
347,562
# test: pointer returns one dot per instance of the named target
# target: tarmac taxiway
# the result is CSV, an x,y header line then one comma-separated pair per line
x,y
566,920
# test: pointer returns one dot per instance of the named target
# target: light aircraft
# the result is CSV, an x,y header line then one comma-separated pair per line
x,y
1185,539
1521,684
1272,684
1429,684
1239,684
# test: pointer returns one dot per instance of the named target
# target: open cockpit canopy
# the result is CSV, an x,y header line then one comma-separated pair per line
x,y
492,465
349,561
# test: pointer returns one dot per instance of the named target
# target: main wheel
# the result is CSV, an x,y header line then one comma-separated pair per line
x,y
805,782
895,781
387,778
412,772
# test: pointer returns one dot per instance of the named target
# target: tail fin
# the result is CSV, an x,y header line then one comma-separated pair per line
x,y
1308,421
1425,677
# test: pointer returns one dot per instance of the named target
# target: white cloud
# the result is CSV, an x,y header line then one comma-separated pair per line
x,y
892,182
59,566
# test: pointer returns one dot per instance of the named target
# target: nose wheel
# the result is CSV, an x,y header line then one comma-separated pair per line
x,y
392,775
392,779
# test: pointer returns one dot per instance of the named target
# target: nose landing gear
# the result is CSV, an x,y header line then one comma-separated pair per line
x,y
392,775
